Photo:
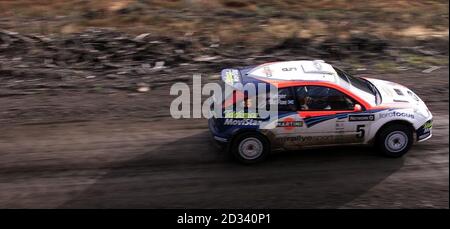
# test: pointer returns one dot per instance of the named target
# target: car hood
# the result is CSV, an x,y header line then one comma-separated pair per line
x,y
394,94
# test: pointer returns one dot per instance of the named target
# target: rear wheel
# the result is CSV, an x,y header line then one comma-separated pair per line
x,y
395,140
250,148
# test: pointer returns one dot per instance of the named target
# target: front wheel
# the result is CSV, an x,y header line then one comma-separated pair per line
x,y
250,148
395,140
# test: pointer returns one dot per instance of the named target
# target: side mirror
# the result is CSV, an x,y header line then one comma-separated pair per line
x,y
357,107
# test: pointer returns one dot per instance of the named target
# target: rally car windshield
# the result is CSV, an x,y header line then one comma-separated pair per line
x,y
359,86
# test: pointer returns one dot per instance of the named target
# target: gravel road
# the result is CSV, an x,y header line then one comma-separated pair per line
x,y
122,150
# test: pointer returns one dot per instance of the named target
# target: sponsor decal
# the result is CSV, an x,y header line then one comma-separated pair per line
x,y
304,139
396,114
356,118
424,135
289,123
425,130
286,102
428,125
231,76
318,119
242,122
241,114
288,69
340,126
267,71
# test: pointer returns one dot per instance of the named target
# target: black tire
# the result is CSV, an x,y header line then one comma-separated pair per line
x,y
391,139
255,140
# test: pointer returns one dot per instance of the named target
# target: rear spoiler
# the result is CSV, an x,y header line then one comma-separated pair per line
x,y
231,76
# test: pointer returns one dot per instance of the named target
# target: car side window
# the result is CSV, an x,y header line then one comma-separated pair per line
x,y
316,98
286,100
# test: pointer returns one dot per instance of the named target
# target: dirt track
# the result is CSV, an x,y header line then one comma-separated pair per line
x,y
124,151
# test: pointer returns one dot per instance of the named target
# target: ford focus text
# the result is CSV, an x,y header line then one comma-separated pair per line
x,y
319,105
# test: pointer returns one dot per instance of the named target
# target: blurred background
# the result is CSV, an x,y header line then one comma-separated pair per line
x,y
84,101
405,34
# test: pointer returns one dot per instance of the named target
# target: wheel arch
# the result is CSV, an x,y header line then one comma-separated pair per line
x,y
396,122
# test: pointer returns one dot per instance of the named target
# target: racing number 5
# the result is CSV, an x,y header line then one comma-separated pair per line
x,y
360,130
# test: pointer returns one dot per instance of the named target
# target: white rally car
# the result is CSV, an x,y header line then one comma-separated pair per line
x,y
321,105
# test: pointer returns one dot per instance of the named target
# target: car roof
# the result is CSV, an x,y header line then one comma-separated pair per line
x,y
301,70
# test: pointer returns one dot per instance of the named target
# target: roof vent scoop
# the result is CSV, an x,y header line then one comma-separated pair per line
x,y
317,66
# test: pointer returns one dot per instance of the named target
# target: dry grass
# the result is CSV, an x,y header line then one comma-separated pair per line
x,y
232,20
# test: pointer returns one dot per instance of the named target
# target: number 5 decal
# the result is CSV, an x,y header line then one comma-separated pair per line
x,y
360,130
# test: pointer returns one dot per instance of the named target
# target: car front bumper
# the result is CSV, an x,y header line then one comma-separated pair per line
x,y
425,131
